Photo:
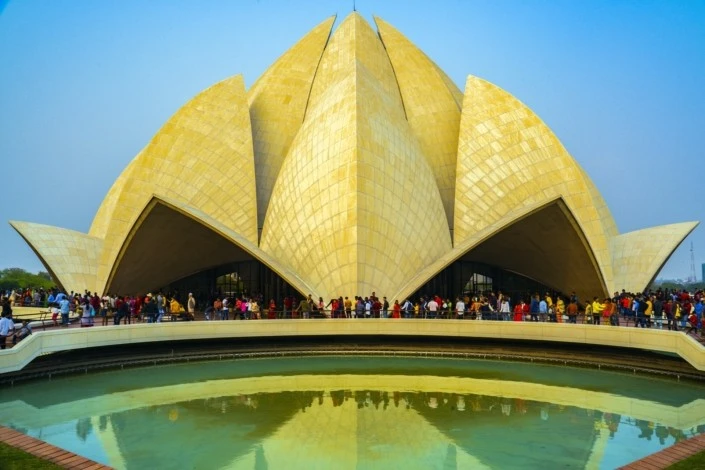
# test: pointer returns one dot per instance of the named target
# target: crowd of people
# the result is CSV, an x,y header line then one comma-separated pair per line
x,y
7,325
661,309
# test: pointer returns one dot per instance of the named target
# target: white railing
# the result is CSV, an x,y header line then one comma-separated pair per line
x,y
636,338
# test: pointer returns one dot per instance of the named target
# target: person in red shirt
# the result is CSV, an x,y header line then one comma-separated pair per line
x,y
396,310
624,304
685,315
376,308
95,302
519,311
272,312
692,325
333,304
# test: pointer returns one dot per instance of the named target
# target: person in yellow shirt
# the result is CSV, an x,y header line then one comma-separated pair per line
x,y
649,311
560,309
597,308
177,310
550,309
174,305
348,308
677,313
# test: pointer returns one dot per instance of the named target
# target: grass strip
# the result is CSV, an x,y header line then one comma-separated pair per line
x,y
692,462
12,458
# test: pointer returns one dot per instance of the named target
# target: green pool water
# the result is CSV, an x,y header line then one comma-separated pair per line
x,y
357,412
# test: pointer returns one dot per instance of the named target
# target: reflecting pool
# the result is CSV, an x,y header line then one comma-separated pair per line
x,y
357,412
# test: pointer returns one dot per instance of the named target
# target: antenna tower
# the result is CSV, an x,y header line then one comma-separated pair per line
x,y
692,277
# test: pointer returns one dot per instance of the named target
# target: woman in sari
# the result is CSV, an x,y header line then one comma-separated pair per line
x,y
396,310
519,311
272,312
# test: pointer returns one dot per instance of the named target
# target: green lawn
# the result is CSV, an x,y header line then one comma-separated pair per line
x,y
697,461
15,459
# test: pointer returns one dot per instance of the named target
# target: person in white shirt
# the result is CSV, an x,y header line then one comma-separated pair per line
x,y
191,306
504,308
459,308
55,314
7,327
254,307
407,309
226,309
432,308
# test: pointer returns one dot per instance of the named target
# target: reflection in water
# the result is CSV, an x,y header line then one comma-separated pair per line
x,y
260,459
451,461
376,429
354,420
83,428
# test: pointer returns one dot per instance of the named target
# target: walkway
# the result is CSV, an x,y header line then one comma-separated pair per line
x,y
669,456
48,452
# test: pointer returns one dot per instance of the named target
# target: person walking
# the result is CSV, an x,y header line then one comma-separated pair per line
x,y
254,308
504,308
534,308
7,327
432,308
519,311
304,308
641,314
191,306
543,310
272,312
225,309
396,310
597,309
408,309
64,309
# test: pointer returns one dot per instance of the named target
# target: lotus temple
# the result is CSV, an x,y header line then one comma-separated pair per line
x,y
354,164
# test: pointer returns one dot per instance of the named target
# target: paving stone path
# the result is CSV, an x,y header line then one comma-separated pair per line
x,y
46,451
669,456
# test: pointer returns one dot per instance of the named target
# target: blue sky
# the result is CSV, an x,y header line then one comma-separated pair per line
x,y
86,84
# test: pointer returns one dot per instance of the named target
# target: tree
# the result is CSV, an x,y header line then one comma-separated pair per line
x,y
18,278
676,285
